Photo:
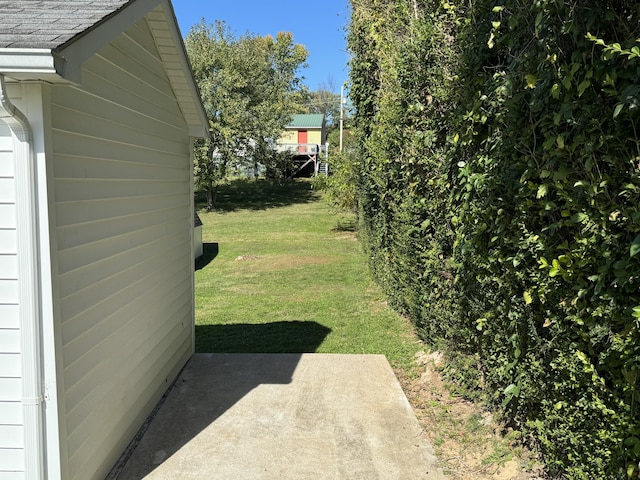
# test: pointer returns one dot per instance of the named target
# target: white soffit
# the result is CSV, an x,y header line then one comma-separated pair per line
x,y
176,63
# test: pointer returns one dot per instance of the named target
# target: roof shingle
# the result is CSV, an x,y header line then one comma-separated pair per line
x,y
50,23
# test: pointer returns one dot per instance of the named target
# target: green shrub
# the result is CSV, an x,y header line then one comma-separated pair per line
x,y
498,189
341,185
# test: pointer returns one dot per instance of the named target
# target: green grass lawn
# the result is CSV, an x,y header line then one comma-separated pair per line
x,y
283,273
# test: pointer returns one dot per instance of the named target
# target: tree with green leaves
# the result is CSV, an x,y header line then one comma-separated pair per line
x,y
250,86
325,101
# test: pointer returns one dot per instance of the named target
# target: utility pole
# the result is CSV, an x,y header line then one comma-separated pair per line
x,y
341,113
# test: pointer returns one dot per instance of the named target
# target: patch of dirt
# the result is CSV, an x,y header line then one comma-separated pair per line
x,y
278,262
346,236
243,258
468,441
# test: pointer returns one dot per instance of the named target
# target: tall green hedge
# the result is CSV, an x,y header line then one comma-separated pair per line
x,y
500,202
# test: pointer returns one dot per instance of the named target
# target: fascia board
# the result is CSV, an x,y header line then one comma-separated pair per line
x,y
30,63
201,128
83,46
64,64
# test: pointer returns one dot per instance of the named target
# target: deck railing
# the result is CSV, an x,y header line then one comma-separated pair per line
x,y
302,148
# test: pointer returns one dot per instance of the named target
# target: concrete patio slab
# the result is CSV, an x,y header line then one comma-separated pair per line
x,y
284,416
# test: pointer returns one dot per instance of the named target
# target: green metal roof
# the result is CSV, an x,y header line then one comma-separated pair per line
x,y
306,120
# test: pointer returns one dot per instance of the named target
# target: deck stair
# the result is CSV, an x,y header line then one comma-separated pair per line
x,y
323,168
305,154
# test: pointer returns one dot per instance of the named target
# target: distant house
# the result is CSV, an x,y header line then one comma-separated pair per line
x,y
98,110
305,131
305,137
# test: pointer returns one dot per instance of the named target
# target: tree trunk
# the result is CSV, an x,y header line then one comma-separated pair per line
x,y
212,192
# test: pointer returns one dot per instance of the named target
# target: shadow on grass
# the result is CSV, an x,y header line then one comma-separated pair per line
x,y
262,194
346,225
209,252
275,337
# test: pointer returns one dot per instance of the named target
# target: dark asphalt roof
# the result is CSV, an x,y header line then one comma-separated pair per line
x,y
50,24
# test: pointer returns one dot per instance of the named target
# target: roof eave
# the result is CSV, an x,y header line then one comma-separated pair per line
x,y
64,64
84,45
31,64
176,60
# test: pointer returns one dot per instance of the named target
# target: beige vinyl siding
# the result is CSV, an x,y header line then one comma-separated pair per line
x,y
122,221
289,136
11,417
314,136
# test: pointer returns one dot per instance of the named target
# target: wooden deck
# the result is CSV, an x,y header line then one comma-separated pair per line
x,y
305,154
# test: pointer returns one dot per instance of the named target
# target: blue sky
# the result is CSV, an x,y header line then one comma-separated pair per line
x,y
321,29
